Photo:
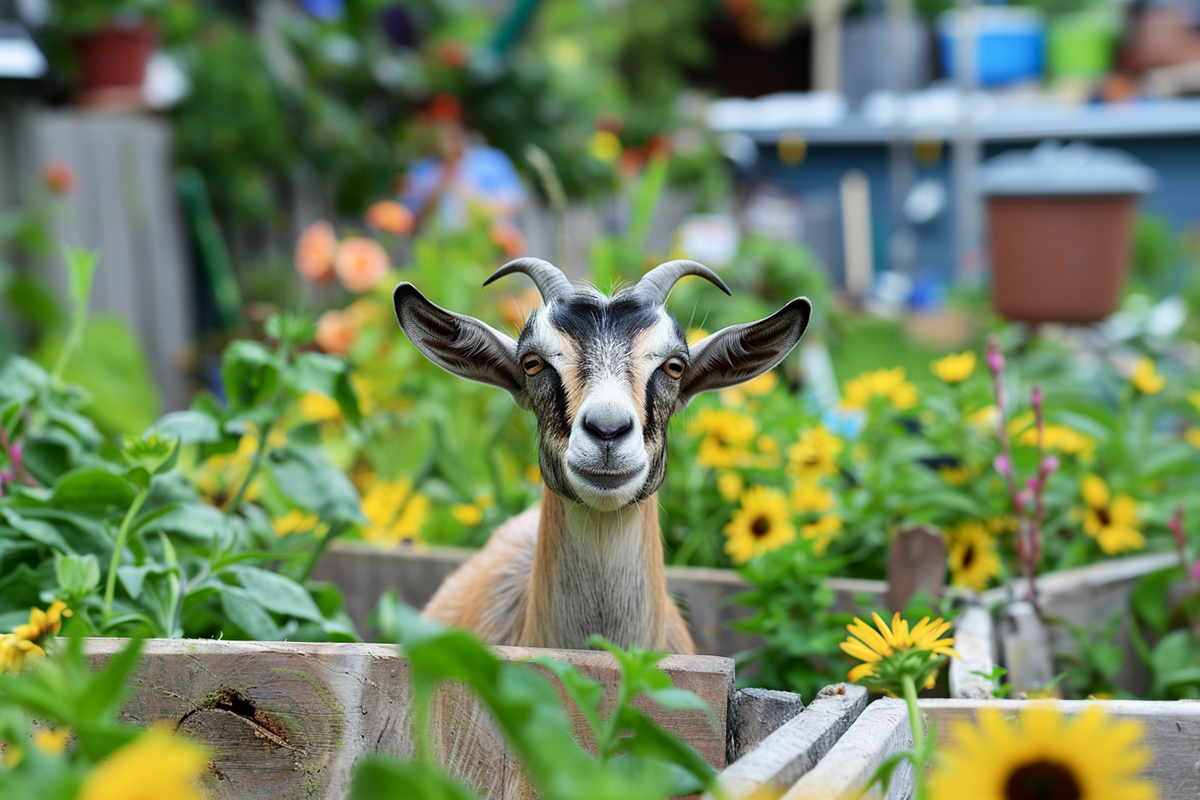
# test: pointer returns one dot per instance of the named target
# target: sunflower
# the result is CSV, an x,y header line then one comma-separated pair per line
x,y
809,497
1062,439
954,368
1113,521
730,485
296,521
316,407
883,651
973,559
155,764
887,383
755,387
814,455
1046,757
822,532
728,436
1145,379
760,525
394,511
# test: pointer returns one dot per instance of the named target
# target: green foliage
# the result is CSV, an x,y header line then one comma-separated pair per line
x,y
635,758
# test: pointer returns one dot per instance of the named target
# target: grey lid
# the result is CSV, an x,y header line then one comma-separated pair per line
x,y
1052,168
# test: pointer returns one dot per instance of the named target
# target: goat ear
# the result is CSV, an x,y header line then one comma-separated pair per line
x,y
459,344
741,352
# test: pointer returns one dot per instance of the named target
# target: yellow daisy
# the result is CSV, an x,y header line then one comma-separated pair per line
x,y
1112,521
394,511
154,765
51,741
760,525
730,486
29,639
887,383
295,521
756,387
316,407
954,368
811,497
871,646
822,532
1145,379
727,438
1046,757
956,475
972,556
814,455
1061,439
1192,436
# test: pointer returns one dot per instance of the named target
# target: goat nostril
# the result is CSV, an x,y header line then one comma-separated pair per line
x,y
607,429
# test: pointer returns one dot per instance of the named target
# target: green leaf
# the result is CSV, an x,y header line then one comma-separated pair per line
x,y
190,427
107,688
89,486
327,375
248,615
132,577
278,593
379,778
307,478
76,575
250,375
1149,598
192,519
37,530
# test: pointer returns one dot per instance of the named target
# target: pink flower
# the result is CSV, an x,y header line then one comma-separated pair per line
x,y
1049,464
1035,397
1195,571
1003,464
315,251
995,358
1176,527
361,264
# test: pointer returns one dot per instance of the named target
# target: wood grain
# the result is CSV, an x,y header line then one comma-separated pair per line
x,y
289,720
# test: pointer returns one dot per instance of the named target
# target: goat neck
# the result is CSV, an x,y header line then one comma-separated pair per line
x,y
597,572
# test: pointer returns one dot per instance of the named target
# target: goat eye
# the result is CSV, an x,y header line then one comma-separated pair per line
x,y
532,365
674,367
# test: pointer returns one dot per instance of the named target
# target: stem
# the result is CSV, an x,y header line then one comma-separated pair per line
x,y
918,735
255,466
323,543
110,586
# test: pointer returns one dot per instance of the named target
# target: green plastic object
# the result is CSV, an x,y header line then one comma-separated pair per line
x,y
1081,45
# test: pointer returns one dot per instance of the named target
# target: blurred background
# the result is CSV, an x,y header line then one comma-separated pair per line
x,y
826,147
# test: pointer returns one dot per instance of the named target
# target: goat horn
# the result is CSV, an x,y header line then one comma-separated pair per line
x,y
657,283
549,279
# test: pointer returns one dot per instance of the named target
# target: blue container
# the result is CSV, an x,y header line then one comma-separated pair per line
x,y
1009,44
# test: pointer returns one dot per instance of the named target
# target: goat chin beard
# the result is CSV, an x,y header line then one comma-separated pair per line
x,y
607,499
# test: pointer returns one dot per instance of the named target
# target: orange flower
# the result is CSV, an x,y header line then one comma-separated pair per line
x,y
361,264
315,252
445,108
516,308
390,216
453,54
336,332
507,237
59,176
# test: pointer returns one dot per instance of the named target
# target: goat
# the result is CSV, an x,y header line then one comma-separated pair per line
x,y
603,375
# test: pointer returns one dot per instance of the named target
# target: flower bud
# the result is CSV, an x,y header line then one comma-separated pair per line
x,y
995,358
1049,464
1003,464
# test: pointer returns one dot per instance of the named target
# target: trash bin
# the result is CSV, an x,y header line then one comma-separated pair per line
x,y
1061,222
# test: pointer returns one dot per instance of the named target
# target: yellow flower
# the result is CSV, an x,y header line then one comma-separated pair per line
x,y
1062,439
760,525
756,387
533,473
871,646
51,741
727,438
1194,399
730,486
809,497
604,146
316,407
1088,757
154,766
955,368
956,475
467,514
295,521
822,532
1192,436
29,639
1145,379
1004,523
983,418
12,756
972,556
394,511
814,455
694,335
1113,521
887,383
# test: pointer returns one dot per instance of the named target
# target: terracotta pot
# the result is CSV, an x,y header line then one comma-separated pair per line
x,y
1060,259
112,64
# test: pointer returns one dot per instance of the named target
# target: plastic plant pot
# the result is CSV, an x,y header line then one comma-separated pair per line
x,y
1081,45
1009,43
113,64
1061,221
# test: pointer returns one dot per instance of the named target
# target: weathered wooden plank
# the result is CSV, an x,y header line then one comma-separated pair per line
x,y
287,720
1172,732
974,639
754,714
767,771
846,770
364,572
916,563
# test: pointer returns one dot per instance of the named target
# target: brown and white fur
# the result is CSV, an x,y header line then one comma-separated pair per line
x,y
603,377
